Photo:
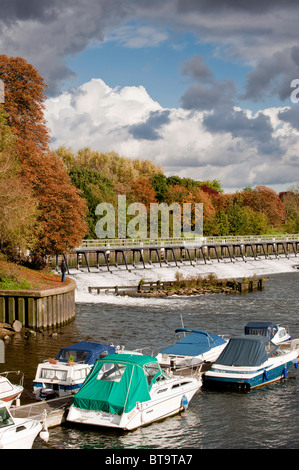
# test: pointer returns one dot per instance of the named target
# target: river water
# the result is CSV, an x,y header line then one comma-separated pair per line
x,y
263,418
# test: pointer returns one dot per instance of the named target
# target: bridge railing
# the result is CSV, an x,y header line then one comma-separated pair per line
x,y
160,242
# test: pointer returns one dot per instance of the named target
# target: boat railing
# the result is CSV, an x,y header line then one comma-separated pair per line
x,y
15,372
63,362
290,344
185,371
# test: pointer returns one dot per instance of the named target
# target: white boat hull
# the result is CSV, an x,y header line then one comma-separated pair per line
x,y
21,435
173,361
164,402
251,377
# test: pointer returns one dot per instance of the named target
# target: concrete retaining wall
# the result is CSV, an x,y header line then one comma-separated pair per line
x,y
39,308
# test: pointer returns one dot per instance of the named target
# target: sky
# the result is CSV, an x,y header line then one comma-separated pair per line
x,y
208,90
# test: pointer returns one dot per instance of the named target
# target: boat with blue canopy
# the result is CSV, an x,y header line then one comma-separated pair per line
x,y
65,374
126,391
250,361
277,334
193,349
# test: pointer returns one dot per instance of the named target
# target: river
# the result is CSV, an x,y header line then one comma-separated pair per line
x,y
261,419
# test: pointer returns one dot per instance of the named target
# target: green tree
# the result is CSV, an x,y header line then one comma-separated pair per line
x,y
159,182
95,189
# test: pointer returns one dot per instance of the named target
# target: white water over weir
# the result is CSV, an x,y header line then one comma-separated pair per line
x,y
123,262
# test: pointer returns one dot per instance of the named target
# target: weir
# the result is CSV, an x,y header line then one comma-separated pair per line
x,y
128,252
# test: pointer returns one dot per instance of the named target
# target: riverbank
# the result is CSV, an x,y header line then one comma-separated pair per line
x,y
224,269
34,299
17,277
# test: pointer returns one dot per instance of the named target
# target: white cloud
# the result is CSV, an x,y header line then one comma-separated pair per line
x,y
106,119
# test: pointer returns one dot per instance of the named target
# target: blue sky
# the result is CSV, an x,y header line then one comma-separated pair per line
x,y
200,88
157,68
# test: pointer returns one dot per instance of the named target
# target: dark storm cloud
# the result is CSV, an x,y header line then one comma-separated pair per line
x,y
291,116
256,131
272,75
208,92
255,6
207,97
45,10
197,70
46,32
150,130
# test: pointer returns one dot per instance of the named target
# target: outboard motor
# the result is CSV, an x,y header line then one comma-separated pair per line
x,y
47,394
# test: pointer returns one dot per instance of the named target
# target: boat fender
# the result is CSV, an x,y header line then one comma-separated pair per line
x,y
285,373
44,434
296,363
184,402
266,377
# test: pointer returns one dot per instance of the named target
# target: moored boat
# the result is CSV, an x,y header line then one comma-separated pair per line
x,y
65,374
9,391
193,349
250,361
277,334
128,391
17,433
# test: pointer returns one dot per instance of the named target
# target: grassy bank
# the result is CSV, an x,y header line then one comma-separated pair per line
x,y
14,277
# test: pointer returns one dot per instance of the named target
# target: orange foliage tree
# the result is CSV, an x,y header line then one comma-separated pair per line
x,y
266,201
61,223
143,192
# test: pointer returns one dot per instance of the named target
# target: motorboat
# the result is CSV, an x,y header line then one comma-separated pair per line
x,y
194,348
17,433
250,361
277,334
9,391
65,374
128,391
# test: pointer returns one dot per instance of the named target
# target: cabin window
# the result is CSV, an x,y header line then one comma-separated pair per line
x,y
5,418
111,372
80,374
55,374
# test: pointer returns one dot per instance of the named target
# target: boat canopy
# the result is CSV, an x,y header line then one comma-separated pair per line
x,y
247,350
117,382
193,344
85,352
263,328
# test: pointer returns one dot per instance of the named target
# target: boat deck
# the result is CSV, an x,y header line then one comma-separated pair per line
x,y
55,409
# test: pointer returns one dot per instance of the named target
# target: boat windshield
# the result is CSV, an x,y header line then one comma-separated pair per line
x,y
111,372
75,355
5,418
272,350
5,386
151,371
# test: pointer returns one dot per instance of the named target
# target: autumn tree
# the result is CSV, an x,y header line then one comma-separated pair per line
x,y
18,211
197,195
61,209
266,201
290,199
143,192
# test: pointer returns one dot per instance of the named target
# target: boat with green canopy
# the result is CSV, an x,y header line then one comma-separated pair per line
x,y
128,391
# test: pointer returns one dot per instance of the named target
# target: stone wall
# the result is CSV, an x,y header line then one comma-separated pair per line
x,y
39,308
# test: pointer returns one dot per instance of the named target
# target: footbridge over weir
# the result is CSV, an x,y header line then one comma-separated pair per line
x,y
129,252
